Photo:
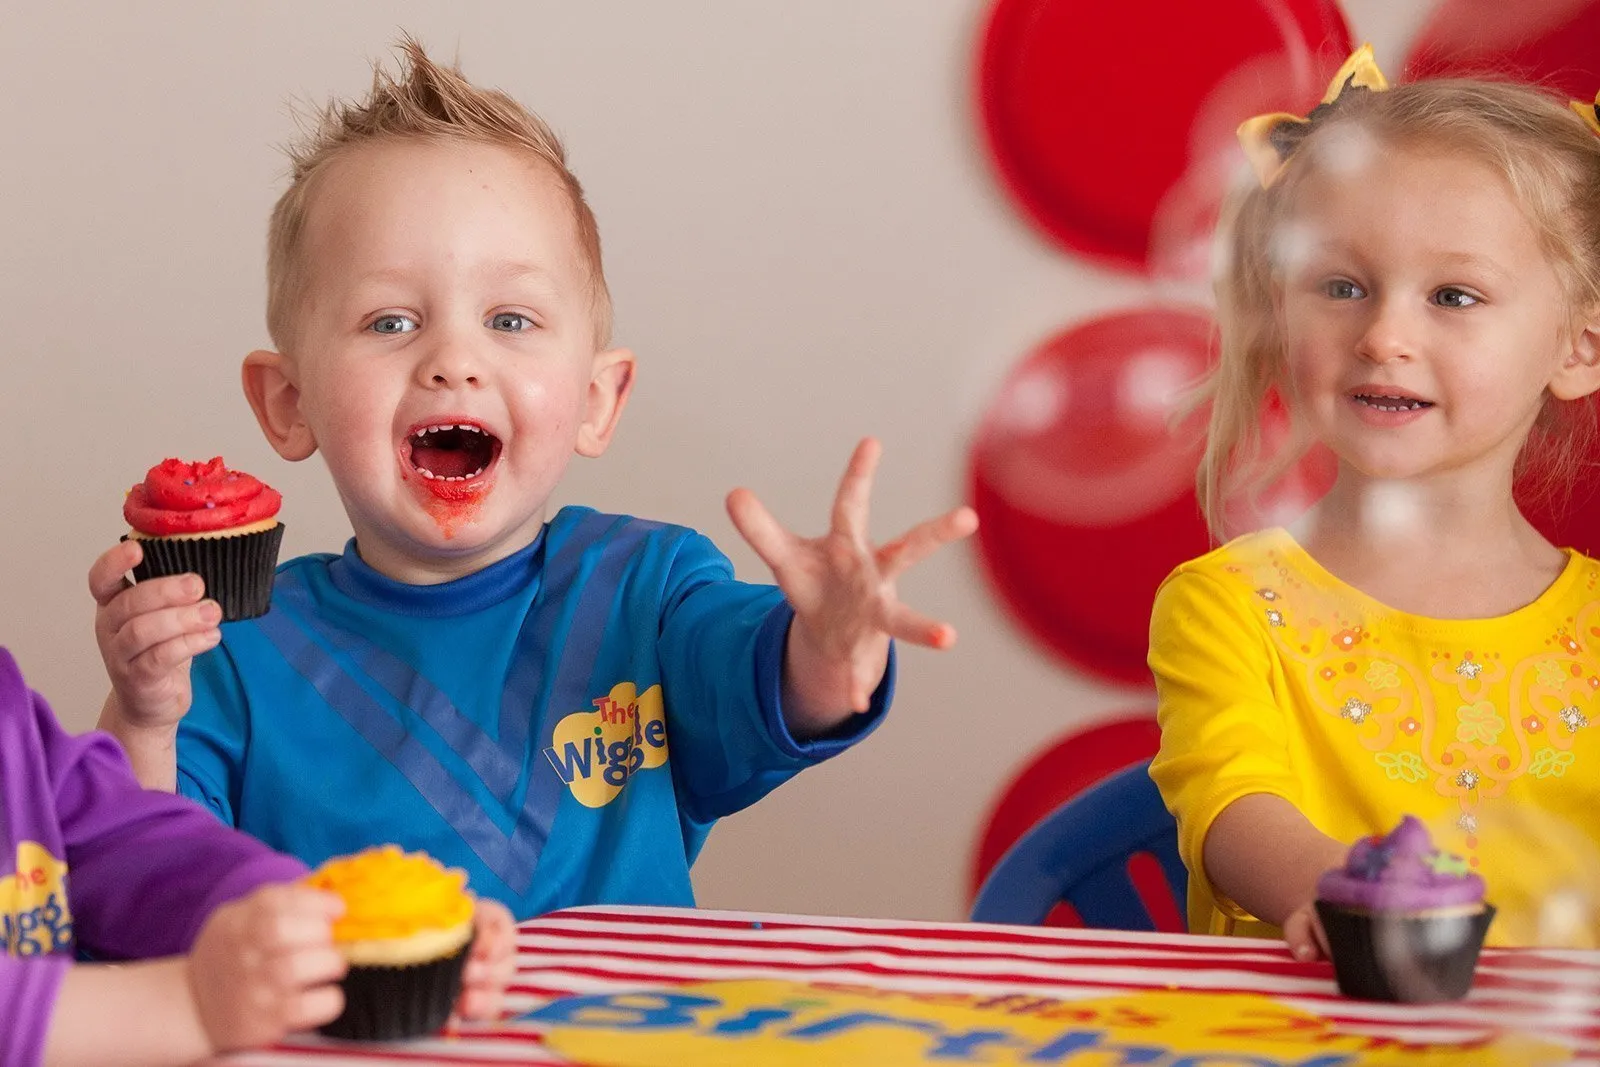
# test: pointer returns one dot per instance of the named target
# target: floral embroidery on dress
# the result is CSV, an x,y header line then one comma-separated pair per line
x,y
1356,710
1383,675
1465,722
1478,722
1401,766
1548,763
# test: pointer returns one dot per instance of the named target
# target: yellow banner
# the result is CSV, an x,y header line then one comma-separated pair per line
x,y
782,1024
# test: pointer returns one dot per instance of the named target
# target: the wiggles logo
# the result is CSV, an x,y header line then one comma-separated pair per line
x,y
595,752
34,917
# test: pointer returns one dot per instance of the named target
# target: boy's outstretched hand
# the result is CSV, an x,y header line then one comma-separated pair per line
x,y
842,588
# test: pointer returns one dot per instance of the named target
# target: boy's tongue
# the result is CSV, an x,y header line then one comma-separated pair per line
x,y
445,462
452,452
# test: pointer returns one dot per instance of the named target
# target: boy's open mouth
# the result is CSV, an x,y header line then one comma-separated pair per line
x,y
453,452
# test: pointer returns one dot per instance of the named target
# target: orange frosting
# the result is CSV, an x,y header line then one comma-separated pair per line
x,y
391,894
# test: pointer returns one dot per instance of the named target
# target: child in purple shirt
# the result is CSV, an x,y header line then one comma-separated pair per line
x,y
153,877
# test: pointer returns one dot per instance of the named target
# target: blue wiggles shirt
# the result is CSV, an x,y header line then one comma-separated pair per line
x,y
565,724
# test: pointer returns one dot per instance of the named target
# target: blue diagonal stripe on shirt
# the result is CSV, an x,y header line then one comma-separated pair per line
x,y
498,765
525,684
401,748
574,678
297,632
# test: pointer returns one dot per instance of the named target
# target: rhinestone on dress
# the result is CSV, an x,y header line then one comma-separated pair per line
x,y
1575,720
1267,594
1355,710
1468,822
1467,779
1274,617
1469,668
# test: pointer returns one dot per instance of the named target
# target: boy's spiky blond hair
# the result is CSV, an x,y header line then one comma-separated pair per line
x,y
426,101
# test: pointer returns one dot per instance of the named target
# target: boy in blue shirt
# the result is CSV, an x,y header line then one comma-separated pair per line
x,y
559,705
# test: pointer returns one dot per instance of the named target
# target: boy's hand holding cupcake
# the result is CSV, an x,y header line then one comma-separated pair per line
x,y
203,543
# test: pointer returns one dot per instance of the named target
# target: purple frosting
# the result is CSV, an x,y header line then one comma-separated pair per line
x,y
1400,872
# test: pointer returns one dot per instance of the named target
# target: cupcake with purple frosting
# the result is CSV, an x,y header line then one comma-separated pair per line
x,y
1405,920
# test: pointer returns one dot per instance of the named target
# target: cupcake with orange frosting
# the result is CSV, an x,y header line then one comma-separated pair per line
x,y
210,520
406,931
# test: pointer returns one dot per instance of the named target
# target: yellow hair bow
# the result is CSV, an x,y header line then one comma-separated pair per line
x,y
1269,140
1590,113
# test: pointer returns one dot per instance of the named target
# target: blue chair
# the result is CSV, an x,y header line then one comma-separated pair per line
x,y
1079,854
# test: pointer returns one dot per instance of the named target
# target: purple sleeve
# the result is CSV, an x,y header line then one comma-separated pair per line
x,y
27,998
145,869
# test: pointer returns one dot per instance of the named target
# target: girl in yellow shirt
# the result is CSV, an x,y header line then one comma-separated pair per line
x,y
1417,277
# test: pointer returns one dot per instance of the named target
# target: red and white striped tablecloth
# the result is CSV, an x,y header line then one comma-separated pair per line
x,y
1551,993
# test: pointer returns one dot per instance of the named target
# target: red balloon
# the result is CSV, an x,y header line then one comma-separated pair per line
x,y
1093,111
1085,492
1553,42
1085,488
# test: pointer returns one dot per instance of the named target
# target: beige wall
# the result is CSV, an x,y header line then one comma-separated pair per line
x,y
804,245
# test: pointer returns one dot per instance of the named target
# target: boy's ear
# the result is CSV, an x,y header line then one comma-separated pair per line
x,y
275,399
609,387
1579,374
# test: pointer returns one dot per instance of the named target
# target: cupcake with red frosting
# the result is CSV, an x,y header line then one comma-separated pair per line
x,y
206,519
1404,919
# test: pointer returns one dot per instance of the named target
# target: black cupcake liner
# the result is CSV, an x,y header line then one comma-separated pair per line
x,y
237,568
394,1003
1421,959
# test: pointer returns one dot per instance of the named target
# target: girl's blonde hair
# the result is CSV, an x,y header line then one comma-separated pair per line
x,y
1548,156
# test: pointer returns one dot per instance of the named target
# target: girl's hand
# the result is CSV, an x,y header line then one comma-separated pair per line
x,y
264,967
842,588
492,964
1303,931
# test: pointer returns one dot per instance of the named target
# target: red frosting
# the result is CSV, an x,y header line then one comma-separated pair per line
x,y
181,498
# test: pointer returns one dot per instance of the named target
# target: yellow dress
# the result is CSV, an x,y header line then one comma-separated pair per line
x,y
1273,676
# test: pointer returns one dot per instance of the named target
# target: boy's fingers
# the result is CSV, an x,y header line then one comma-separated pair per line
x,y
169,655
315,1007
479,1003
924,539
756,525
851,504
145,632
131,602
906,624
106,573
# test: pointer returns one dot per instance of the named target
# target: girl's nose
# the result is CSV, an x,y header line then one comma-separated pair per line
x,y
1388,334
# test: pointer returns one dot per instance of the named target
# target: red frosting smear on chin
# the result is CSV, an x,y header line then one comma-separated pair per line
x,y
452,505
178,498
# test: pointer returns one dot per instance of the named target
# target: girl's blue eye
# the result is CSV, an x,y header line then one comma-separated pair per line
x,y
1454,298
387,324
510,322
1343,289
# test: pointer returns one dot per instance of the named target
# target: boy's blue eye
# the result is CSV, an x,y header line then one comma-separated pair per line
x,y
1343,289
510,321
393,324
1454,298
